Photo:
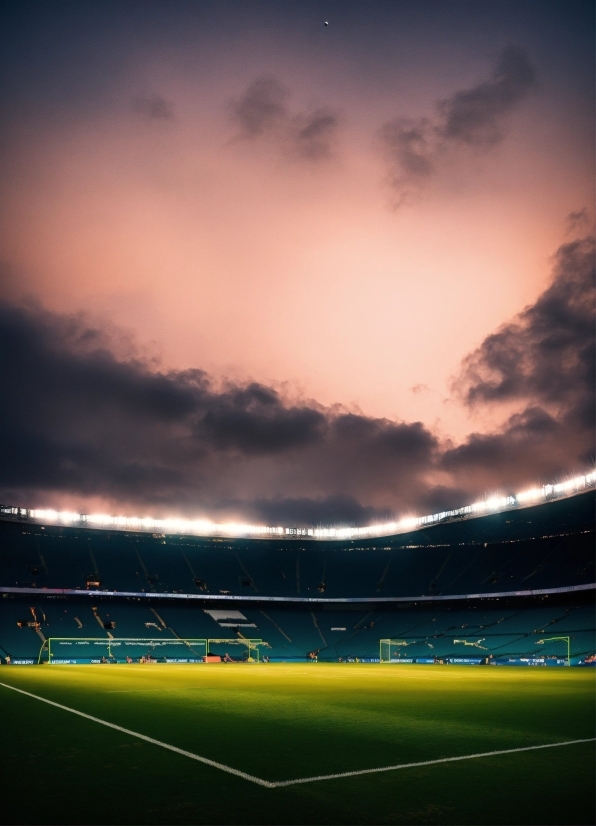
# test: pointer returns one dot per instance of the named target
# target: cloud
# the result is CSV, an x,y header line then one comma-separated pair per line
x,y
253,419
520,442
314,134
261,107
410,148
578,221
262,110
88,418
546,353
470,118
474,116
81,421
154,107
440,498
543,362
331,510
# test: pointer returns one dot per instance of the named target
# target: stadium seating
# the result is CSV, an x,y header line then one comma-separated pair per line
x,y
502,552
132,585
291,634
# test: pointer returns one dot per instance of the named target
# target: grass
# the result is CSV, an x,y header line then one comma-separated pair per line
x,y
281,722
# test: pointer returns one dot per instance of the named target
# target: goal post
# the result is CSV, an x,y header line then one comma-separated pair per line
x,y
111,649
389,650
217,645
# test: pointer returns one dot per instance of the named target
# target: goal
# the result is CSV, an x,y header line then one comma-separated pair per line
x,y
389,650
219,646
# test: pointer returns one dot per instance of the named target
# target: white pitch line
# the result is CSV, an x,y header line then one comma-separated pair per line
x,y
281,783
184,753
429,762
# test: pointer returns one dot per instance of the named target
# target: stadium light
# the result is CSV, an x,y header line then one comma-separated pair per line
x,y
204,527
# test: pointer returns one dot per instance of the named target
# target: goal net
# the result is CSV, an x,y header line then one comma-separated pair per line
x,y
237,649
390,650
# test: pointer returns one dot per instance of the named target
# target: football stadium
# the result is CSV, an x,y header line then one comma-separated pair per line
x,y
438,673
297,458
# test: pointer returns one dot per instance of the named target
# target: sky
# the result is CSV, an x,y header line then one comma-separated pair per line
x,y
258,267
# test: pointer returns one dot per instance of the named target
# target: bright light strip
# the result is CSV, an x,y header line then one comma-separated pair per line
x,y
203,527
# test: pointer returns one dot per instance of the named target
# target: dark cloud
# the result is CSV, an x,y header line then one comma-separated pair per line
x,y
409,442
153,107
534,447
519,443
261,107
81,421
440,498
332,510
578,221
262,110
254,419
315,133
542,361
547,352
472,118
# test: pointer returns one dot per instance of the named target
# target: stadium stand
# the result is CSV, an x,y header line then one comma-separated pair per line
x,y
483,587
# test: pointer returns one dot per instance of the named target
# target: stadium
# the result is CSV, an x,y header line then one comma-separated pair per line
x,y
342,667
297,465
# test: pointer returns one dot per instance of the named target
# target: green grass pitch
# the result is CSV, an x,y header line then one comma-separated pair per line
x,y
281,722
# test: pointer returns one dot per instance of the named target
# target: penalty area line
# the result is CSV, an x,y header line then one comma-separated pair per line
x,y
282,783
214,764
